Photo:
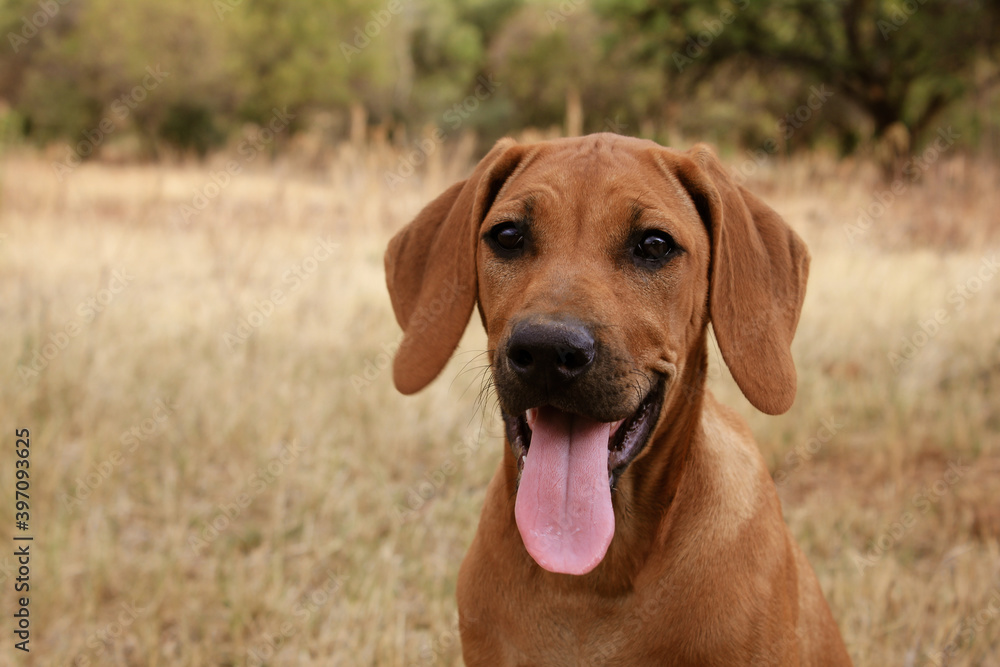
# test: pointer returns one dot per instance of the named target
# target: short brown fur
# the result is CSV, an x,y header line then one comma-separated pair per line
x,y
702,569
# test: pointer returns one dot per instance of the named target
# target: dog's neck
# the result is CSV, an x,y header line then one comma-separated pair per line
x,y
647,490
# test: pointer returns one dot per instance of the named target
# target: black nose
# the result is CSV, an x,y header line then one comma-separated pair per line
x,y
552,352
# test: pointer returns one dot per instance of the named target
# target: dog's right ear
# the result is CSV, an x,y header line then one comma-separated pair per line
x,y
430,269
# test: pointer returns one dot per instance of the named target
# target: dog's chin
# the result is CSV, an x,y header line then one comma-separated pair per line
x,y
628,436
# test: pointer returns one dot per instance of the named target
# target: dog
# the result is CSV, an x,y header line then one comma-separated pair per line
x,y
632,520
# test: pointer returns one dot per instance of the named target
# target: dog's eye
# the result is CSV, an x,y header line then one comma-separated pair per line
x,y
507,236
655,246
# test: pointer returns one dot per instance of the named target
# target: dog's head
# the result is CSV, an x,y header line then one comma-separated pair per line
x,y
597,264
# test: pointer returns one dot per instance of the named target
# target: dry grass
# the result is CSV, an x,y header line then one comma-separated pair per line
x,y
325,552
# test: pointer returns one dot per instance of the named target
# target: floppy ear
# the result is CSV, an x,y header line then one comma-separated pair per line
x,y
430,269
757,281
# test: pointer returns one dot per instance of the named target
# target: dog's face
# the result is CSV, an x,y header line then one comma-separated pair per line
x,y
597,264
591,303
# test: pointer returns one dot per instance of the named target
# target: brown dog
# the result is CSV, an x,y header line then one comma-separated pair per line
x,y
632,520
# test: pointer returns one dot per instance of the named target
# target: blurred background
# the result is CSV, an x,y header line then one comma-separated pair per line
x,y
733,72
194,201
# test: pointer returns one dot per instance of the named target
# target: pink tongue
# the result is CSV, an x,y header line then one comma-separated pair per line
x,y
563,507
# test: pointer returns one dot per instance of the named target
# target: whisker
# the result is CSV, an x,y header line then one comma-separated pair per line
x,y
641,390
487,393
476,356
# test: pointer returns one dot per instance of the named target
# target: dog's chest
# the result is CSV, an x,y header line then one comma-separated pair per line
x,y
533,625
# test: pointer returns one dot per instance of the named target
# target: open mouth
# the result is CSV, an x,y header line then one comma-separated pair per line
x,y
628,437
567,468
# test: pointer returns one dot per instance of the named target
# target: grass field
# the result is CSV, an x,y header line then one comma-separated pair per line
x,y
223,474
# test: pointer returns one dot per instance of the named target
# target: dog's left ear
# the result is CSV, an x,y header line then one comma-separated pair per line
x,y
757,281
430,269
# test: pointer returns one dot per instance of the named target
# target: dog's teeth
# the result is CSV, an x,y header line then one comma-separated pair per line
x,y
530,416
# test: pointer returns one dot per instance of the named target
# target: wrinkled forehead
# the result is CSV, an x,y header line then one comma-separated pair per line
x,y
604,182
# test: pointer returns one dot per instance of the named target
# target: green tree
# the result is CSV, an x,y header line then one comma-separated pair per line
x,y
558,61
101,68
900,62
309,54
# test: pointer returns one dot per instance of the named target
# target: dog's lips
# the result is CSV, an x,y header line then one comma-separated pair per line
x,y
624,444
